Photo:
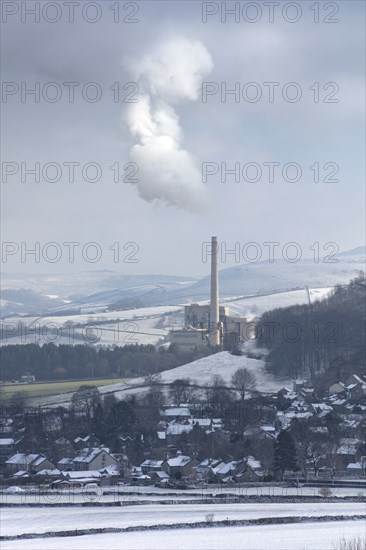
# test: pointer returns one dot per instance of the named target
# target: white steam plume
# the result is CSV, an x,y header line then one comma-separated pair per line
x,y
167,172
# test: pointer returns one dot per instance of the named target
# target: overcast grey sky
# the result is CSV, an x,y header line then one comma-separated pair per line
x,y
171,54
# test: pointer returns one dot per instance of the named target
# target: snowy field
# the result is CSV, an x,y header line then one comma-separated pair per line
x,y
113,327
41,520
254,306
307,536
130,494
83,318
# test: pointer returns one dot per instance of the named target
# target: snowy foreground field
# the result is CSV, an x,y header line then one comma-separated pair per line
x,y
27,520
307,536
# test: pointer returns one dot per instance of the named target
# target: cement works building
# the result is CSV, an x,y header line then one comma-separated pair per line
x,y
197,328
210,324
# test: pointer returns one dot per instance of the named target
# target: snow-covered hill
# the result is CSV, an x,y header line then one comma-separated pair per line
x,y
266,277
199,372
92,292
87,291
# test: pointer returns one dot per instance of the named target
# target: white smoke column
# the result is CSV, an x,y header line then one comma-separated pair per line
x,y
170,74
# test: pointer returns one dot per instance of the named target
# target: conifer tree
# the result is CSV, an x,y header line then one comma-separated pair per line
x,y
285,453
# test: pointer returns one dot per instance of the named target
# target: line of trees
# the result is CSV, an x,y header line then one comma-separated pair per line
x,y
67,362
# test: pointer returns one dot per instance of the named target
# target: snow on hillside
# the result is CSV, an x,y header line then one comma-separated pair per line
x,y
93,290
84,318
97,290
254,306
141,326
266,277
224,364
200,372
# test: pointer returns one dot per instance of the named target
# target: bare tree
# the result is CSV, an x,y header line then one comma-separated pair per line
x,y
155,395
244,381
180,390
152,378
316,454
331,454
86,399
218,395
18,401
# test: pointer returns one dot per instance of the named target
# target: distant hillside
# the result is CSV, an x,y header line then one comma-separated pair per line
x,y
305,340
102,290
261,277
89,290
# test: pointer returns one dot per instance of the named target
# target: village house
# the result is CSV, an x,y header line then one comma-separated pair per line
x,y
337,387
357,469
6,428
45,476
229,471
356,391
79,478
181,466
28,379
253,471
93,459
7,445
267,431
299,384
149,466
175,413
65,464
128,439
321,409
205,469
347,452
30,463
355,379
110,475
352,426
87,441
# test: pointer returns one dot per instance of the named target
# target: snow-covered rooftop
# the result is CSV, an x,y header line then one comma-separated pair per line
x,y
88,455
7,441
179,461
22,458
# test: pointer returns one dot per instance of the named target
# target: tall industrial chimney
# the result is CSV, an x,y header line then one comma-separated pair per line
x,y
214,304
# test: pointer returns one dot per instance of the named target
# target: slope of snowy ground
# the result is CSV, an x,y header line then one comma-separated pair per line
x,y
55,519
224,364
200,373
254,306
307,536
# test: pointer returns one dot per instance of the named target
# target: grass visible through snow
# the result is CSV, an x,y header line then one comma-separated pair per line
x,y
42,389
